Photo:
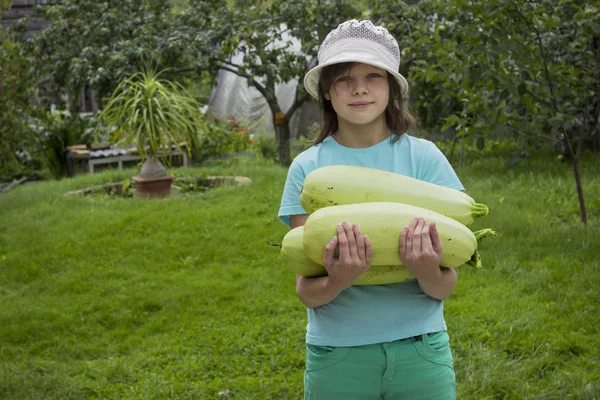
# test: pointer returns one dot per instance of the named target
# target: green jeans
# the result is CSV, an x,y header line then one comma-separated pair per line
x,y
413,369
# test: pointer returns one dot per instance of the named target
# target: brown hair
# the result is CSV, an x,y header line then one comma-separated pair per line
x,y
397,114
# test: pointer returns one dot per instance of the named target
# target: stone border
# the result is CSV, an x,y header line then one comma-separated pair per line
x,y
115,187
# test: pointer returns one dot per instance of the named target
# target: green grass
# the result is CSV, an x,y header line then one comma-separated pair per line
x,y
183,298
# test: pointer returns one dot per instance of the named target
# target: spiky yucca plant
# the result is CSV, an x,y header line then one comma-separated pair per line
x,y
152,113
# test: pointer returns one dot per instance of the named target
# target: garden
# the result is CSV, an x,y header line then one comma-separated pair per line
x,y
112,292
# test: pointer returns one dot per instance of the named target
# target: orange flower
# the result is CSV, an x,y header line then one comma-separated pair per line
x,y
250,141
242,130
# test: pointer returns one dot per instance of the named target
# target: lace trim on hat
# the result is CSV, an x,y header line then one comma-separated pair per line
x,y
354,29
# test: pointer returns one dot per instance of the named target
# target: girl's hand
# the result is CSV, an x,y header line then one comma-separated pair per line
x,y
421,249
355,253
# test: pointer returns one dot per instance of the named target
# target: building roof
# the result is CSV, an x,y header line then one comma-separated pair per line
x,y
25,8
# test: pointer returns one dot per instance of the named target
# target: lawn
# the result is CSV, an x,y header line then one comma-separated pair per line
x,y
183,298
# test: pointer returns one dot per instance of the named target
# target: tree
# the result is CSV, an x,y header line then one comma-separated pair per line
x,y
253,31
17,88
98,44
5,5
529,69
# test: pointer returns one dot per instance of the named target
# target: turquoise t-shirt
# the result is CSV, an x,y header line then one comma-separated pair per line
x,y
362,315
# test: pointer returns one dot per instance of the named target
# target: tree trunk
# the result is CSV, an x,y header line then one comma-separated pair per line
x,y
282,135
153,168
575,163
579,190
452,149
281,122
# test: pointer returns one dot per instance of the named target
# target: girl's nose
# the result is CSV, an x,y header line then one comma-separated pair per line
x,y
360,87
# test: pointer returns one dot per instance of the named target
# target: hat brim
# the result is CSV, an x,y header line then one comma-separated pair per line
x,y
312,77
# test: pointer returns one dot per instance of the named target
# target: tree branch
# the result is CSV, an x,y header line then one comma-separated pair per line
x,y
255,84
262,90
229,63
274,38
536,98
237,72
180,70
297,104
542,53
525,133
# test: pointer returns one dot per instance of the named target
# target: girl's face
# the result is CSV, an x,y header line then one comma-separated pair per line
x,y
360,95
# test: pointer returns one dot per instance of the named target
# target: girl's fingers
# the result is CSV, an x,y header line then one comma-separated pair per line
x,y
435,239
408,243
368,250
343,243
351,239
425,238
360,243
417,239
403,239
329,256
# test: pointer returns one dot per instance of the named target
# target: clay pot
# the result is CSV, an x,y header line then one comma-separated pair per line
x,y
153,187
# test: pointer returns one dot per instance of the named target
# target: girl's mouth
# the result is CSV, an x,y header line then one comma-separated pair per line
x,y
361,104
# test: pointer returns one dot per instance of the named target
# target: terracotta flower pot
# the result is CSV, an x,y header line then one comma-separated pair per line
x,y
153,187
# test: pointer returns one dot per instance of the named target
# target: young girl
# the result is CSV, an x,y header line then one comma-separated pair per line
x,y
386,341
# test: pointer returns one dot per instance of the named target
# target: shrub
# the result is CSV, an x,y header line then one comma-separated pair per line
x,y
217,138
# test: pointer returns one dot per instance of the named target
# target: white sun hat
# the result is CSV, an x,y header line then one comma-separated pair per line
x,y
354,41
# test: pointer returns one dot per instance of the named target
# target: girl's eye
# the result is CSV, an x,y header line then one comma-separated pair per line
x,y
342,79
374,75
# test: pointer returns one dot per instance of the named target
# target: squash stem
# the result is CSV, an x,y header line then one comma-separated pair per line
x,y
483,233
475,260
479,210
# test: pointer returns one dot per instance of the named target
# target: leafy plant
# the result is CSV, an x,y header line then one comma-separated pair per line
x,y
217,137
18,141
266,147
154,114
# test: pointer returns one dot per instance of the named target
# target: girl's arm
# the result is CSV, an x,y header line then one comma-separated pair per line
x,y
316,292
441,286
354,259
312,292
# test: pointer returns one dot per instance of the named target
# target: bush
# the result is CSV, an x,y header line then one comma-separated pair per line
x,y
511,151
217,138
17,88
60,130
266,147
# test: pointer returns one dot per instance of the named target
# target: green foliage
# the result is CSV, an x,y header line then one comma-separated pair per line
x,y
98,44
57,131
100,301
266,147
151,112
17,87
216,138
504,69
196,184
253,31
482,70
501,68
5,5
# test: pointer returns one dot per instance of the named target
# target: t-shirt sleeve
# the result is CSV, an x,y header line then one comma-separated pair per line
x,y
290,200
436,169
